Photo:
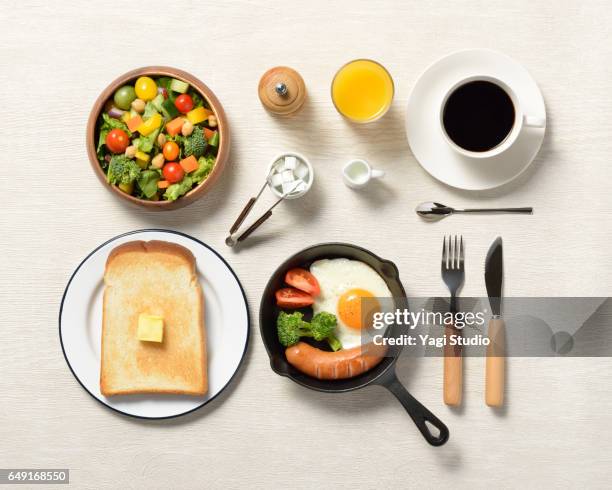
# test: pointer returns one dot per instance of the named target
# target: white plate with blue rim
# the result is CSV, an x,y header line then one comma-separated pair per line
x,y
426,136
226,320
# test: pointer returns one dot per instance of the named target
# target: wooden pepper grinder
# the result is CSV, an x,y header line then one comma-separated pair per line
x,y
282,91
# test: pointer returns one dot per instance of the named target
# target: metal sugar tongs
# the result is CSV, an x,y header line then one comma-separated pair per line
x,y
235,238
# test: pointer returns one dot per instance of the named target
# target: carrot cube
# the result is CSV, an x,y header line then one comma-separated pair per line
x,y
174,127
189,164
134,123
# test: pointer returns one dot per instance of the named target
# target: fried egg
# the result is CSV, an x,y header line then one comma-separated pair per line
x,y
344,283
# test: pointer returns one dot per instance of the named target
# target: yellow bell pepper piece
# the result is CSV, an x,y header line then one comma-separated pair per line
x,y
150,125
127,188
142,159
198,115
126,116
141,155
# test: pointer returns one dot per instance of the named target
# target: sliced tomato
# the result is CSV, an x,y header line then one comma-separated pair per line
x,y
303,280
293,298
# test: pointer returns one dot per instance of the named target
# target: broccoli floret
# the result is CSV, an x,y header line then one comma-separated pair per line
x,y
334,343
291,326
323,325
122,170
196,143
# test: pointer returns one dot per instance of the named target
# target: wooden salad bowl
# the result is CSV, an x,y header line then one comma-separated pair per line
x,y
209,96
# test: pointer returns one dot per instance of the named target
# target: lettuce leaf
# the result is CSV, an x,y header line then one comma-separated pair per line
x,y
177,190
157,102
145,143
149,111
109,123
198,101
101,146
147,182
206,166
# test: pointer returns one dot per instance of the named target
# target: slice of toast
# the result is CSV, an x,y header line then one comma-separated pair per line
x,y
154,278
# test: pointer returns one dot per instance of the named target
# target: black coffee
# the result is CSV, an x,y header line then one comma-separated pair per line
x,y
478,116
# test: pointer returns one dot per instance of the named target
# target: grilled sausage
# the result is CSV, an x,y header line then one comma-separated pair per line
x,y
343,364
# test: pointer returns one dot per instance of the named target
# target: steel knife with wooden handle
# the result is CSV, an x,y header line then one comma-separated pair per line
x,y
495,372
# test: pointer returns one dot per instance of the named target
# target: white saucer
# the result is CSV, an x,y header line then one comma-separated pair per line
x,y
425,134
226,320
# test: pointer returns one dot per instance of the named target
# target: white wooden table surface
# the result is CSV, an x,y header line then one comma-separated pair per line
x,y
265,431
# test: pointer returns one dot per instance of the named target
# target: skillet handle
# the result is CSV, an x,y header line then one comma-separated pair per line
x,y
419,414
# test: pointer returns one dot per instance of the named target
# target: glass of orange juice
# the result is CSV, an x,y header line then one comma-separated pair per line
x,y
362,90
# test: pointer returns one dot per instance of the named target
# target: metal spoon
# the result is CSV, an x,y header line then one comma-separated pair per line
x,y
434,211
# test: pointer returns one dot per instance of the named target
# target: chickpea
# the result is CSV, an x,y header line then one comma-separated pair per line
x,y
158,161
138,105
212,121
187,128
130,151
161,140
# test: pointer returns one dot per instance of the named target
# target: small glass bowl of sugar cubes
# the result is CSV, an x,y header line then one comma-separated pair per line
x,y
290,175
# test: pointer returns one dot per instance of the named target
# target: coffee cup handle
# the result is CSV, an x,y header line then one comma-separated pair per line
x,y
534,121
377,174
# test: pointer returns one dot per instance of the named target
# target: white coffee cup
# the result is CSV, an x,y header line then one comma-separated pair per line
x,y
358,173
521,120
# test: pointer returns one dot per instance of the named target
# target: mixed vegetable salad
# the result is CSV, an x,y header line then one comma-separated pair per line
x,y
157,138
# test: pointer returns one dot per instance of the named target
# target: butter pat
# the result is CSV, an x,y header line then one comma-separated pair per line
x,y
150,328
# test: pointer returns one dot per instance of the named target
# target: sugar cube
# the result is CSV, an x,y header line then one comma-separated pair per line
x,y
301,171
290,162
288,187
287,176
276,180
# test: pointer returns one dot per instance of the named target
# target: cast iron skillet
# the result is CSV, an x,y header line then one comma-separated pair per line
x,y
383,374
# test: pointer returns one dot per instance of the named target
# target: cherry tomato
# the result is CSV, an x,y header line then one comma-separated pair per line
x,y
146,88
303,280
173,172
117,140
293,298
184,103
171,151
124,96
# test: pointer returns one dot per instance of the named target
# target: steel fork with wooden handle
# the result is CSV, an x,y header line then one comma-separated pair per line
x,y
495,372
453,274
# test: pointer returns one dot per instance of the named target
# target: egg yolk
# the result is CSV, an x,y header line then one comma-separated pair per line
x,y
350,308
